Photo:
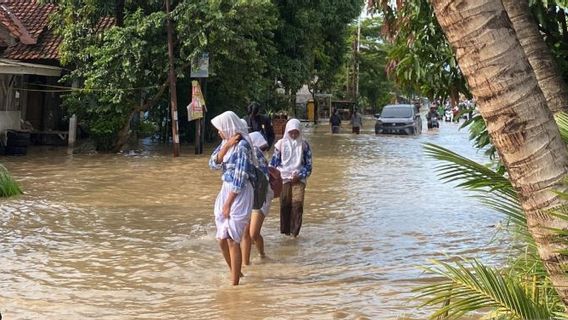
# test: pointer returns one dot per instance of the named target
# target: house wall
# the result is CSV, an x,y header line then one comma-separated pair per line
x,y
8,120
10,113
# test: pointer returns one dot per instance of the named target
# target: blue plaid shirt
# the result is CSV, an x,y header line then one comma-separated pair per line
x,y
238,170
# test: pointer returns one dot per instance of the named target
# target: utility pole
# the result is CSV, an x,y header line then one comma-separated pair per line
x,y
172,77
357,57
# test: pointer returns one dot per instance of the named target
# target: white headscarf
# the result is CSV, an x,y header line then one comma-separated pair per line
x,y
230,124
258,139
291,150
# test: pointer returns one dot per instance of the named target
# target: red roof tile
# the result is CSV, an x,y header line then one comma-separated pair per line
x,y
35,18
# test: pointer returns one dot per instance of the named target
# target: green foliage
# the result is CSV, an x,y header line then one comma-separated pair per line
x,y
521,290
8,186
473,286
421,59
375,89
251,44
308,40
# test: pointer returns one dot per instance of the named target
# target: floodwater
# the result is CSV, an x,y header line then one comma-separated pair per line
x,y
132,236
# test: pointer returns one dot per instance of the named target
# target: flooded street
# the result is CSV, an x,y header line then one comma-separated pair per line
x,y
133,236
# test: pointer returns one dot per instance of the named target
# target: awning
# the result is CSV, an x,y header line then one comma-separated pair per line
x,y
8,66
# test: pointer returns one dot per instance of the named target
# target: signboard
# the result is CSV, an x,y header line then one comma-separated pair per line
x,y
197,107
200,66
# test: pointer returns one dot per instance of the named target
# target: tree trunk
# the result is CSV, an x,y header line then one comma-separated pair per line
x,y
123,134
547,74
518,119
119,12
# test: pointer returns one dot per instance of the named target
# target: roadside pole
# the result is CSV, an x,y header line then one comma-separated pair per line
x,y
172,78
197,109
72,134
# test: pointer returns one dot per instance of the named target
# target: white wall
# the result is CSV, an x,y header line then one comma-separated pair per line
x,y
9,120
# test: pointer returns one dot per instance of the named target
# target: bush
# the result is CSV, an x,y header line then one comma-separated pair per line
x,y
8,186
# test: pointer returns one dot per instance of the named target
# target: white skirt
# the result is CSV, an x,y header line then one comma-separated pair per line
x,y
240,212
266,206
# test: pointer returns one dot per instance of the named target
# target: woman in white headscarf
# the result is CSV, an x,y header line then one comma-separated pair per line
x,y
252,231
293,158
234,202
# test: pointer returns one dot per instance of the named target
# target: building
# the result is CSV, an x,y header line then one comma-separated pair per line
x,y
30,71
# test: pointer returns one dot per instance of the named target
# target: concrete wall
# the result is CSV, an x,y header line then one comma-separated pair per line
x,y
8,120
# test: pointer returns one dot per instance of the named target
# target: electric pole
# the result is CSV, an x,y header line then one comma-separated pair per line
x,y
172,78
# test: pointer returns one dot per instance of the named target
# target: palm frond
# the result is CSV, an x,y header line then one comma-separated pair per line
x,y
474,287
510,208
562,122
8,186
470,174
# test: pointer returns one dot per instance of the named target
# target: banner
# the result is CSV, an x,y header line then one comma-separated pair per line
x,y
197,107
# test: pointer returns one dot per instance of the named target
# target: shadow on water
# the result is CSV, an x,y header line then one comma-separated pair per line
x,y
132,236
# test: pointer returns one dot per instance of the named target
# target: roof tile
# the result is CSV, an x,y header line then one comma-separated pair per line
x,y
35,18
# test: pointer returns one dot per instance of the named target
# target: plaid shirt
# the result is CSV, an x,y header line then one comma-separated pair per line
x,y
238,169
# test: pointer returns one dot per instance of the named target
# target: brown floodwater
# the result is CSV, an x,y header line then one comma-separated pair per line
x,y
132,236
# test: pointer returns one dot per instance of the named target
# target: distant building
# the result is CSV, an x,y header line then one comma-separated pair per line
x,y
30,68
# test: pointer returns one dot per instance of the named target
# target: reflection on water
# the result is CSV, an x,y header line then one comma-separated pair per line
x,y
123,237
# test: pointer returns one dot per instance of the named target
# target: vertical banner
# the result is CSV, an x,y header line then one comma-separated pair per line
x,y
197,106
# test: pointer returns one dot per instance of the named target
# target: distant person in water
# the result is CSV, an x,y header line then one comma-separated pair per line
x,y
335,122
252,231
293,158
356,121
235,200
261,123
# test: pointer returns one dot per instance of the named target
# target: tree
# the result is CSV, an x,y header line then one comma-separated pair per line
x,y
375,89
420,58
307,41
521,126
329,49
547,74
123,69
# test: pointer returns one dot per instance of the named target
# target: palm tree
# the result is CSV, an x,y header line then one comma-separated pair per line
x,y
540,57
523,289
519,122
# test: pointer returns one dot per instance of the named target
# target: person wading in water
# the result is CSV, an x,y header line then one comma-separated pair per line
x,y
235,200
252,231
261,123
293,158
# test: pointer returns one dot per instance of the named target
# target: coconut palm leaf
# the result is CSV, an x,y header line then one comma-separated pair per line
x,y
8,186
494,189
472,286
473,176
562,122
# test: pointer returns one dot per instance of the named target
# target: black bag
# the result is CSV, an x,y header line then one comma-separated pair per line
x,y
260,185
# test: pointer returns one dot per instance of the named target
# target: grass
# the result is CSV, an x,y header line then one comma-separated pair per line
x,y
8,186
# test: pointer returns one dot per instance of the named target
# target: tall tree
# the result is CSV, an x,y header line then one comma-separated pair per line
x,y
545,68
121,65
518,119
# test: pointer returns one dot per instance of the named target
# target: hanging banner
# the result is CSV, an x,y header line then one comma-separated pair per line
x,y
197,107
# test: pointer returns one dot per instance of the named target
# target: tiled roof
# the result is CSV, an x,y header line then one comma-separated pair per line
x,y
35,18
9,23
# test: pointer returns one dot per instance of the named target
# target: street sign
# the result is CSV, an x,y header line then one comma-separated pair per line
x,y
200,66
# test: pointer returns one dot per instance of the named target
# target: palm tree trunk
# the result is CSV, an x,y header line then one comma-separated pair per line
x,y
540,58
518,119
